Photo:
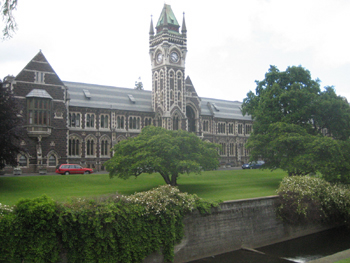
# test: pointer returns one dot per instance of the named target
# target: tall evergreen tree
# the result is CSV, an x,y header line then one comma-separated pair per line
x,y
11,130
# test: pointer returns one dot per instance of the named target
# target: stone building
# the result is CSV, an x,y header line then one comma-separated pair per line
x,y
69,122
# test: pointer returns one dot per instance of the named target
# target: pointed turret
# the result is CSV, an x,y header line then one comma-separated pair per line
x,y
183,28
151,30
167,20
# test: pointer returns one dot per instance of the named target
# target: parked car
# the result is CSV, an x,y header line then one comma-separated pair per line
x,y
253,165
72,169
246,166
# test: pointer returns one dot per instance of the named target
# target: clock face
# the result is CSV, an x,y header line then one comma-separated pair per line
x,y
159,57
174,57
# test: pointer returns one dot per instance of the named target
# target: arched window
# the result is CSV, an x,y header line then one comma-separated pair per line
x,y
248,129
155,82
134,123
104,121
176,121
222,151
74,146
148,121
222,127
90,120
191,119
240,148
205,125
179,82
90,147
52,160
74,119
105,147
230,128
240,128
159,121
161,81
120,122
232,149
22,160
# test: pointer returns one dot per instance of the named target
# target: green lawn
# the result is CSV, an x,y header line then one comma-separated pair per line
x,y
213,185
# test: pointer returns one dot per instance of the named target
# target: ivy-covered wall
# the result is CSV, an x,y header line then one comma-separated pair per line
x,y
161,225
109,229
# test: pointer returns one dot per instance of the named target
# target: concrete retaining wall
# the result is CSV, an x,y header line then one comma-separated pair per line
x,y
249,223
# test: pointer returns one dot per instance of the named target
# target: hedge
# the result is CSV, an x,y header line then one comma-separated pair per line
x,y
115,228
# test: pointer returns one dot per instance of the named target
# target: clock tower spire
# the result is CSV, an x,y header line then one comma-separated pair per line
x,y
168,49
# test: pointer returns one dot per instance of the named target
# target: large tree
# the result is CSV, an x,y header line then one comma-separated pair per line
x,y
170,153
298,127
6,9
11,129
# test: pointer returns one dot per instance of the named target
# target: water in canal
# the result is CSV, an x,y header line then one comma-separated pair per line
x,y
300,250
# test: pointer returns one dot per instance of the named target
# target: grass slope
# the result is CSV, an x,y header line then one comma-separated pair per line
x,y
212,185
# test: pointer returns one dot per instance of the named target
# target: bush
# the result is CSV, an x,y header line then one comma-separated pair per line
x,y
29,231
310,199
109,229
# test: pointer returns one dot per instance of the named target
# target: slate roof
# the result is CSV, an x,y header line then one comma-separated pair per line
x,y
223,109
108,97
39,93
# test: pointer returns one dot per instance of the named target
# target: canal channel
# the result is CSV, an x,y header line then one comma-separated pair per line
x,y
301,250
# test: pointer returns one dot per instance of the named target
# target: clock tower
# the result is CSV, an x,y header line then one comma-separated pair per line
x,y
167,49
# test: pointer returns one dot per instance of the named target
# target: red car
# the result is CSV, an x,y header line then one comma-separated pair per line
x,y
72,169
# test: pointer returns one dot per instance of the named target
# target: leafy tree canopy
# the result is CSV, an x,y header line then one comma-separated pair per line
x,y
11,131
170,153
298,127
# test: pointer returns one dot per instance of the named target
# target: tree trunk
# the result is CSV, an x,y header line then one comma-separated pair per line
x,y
173,180
166,178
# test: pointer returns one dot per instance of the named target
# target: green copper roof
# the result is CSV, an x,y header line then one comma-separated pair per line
x,y
170,17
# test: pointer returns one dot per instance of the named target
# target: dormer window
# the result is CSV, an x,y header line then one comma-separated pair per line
x,y
39,77
87,93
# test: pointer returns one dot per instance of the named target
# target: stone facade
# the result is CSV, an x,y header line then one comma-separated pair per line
x,y
79,123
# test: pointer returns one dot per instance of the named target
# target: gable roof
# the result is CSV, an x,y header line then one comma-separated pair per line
x,y
39,64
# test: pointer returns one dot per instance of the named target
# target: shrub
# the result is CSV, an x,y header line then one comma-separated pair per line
x,y
112,228
29,231
125,228
311,199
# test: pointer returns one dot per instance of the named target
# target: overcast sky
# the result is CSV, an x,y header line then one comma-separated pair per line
x,y
230,43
